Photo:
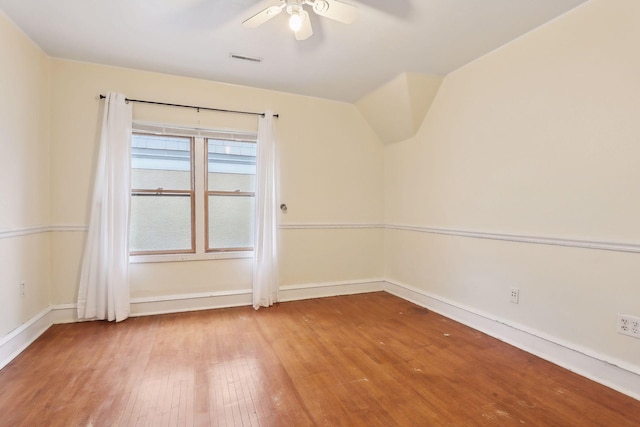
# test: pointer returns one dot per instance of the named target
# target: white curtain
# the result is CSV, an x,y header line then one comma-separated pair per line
x,y
104,278
265,264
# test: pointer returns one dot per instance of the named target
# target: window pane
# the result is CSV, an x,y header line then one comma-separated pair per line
x,y
160,223
160,162
231,165
232,182
231,222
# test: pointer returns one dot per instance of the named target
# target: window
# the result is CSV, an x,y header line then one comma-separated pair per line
x,y
231,183
192,196
162,196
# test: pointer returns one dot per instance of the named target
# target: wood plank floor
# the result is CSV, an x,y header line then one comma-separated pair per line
x,y
362,360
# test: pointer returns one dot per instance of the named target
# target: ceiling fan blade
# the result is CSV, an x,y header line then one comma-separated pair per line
x,y
337,10
262,17
305,30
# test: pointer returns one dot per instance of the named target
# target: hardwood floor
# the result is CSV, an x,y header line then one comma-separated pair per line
x,y
362,360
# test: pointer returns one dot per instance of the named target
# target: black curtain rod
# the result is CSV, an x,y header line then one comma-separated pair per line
x,y
220,110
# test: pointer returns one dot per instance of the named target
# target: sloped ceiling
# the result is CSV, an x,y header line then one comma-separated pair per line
x,y
395,110
342,62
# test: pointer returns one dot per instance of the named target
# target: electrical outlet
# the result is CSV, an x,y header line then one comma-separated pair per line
x,y
514,296
21,289
629,325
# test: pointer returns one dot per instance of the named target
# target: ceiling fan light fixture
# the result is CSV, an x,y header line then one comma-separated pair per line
x,y
295,21
299,20
320,6
273,11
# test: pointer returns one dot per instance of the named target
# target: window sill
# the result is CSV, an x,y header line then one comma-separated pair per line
x,y
144,259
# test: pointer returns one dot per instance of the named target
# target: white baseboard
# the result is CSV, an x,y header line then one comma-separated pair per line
x,y
213,300
14,343
189,302
64,313
609,373
330,289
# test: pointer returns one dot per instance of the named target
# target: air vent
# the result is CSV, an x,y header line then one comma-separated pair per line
x,y
245,58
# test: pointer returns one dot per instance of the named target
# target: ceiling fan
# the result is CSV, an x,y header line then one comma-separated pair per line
x,y
299,21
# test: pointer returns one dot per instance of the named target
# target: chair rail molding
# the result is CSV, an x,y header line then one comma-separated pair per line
x,y
329,226
539,240
37,229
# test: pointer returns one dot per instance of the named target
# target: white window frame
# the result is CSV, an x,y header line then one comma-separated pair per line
x,y
199,158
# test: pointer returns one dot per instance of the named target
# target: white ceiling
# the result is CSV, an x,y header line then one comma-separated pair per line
x,y
342,62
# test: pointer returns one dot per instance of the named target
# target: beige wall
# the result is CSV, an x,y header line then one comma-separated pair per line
x,y
539,138
24,169
331,166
